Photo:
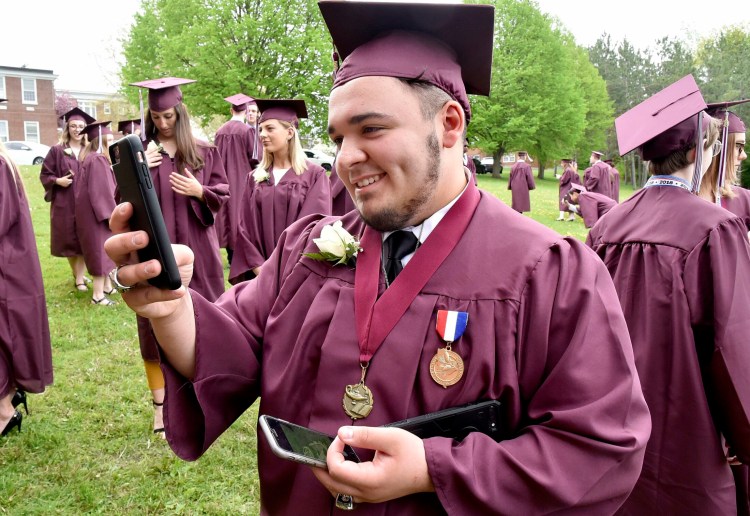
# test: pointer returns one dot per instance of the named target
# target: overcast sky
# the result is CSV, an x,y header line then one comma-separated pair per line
x,y
82,47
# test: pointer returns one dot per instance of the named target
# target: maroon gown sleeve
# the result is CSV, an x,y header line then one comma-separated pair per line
x,y
713,272
581,448
99,181
9,206
215,187
50,172
318,198
227,370
530,179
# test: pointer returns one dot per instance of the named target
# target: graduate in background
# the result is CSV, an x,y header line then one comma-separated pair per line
x,y
591,206
25,350
57,175
614,176
598,178
568,178
95,200
191,185
520,182
284,188
322,342
721,186
681,267
132,126
236,141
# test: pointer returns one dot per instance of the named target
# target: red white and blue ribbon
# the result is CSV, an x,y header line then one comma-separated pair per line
x,y
451,324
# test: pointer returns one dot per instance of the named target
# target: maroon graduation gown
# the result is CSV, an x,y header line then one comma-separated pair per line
x,y
341,201
63,236
615,183
469,164
520,182
95,201
25,350
593,206
739,205
546,337
568,178
190,222
269,208
681,267
235,142
598,179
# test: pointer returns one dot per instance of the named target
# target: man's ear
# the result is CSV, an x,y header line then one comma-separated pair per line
x,y
691,155
453,118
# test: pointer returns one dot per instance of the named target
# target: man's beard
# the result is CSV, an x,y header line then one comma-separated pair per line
x,y
392,219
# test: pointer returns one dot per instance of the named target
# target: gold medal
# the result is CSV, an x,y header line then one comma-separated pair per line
x,y
358,400
446,367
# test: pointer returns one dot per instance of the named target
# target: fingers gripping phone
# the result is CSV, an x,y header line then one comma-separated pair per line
x,y
136,187
299,444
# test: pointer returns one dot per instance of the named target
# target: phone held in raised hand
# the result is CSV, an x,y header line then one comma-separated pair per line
x,y
299,444
135,185
456,422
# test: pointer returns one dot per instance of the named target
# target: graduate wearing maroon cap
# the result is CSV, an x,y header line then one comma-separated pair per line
x,y
25,350
568,178
191,184
681,267
614,176
521,180
597,178
284,188
58,173
95,200
721,187
236,141
322,343
591,206
127,127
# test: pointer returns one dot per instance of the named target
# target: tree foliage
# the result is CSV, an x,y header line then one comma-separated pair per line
x,y
262,48
531,106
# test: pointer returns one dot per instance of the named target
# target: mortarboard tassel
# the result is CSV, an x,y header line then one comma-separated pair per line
x,y
143,122
99,150
698,156
722,157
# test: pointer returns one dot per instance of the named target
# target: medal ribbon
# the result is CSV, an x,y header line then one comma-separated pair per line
x,y
376,318
451,324
668,181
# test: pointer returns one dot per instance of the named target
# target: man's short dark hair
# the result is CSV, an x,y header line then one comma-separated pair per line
x,y
431,98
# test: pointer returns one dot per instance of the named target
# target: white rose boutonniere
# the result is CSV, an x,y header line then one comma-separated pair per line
x,y
336,245
153,145
260,175
68,151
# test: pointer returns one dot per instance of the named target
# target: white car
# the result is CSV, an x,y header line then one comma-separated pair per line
x,y
319,158
27,153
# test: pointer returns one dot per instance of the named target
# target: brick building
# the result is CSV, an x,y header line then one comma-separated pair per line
x,y
29,113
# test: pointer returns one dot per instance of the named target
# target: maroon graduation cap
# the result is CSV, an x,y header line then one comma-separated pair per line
x,y
129,126
163,93
289,110
240,101
577,188
448,45
664,123
721,111
77,114
97,130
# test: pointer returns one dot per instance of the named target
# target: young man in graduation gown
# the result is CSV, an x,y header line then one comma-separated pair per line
x,y
681,267
236,142
597,178
614,176
520,182
322,344
568,178
591,206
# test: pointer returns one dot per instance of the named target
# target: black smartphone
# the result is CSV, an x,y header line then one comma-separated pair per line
x,y
456,422
135,185
299,444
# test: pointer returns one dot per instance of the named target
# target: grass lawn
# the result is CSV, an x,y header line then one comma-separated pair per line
x,y
87,445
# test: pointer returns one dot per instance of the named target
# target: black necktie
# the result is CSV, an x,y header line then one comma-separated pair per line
x,y
396,246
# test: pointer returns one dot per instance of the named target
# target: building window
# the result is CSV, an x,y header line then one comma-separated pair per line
x,y
107,109
87,106
29,91
4,131
3,95
31,131
509,158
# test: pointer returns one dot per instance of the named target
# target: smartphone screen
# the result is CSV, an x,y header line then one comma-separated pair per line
x,y
298,443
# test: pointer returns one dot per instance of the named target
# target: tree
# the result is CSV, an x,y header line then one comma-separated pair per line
x,y
529,101
675,61
63,103
262,48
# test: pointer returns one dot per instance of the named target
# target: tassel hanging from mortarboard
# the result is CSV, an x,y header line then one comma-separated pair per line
x,y
696,184
722,157
143,122
99,150
336,63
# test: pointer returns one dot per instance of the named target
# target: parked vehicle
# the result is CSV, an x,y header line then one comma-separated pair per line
x,y
481,169
319,158
488,161
27,153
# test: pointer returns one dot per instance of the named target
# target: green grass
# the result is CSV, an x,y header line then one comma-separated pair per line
x,y
87,445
